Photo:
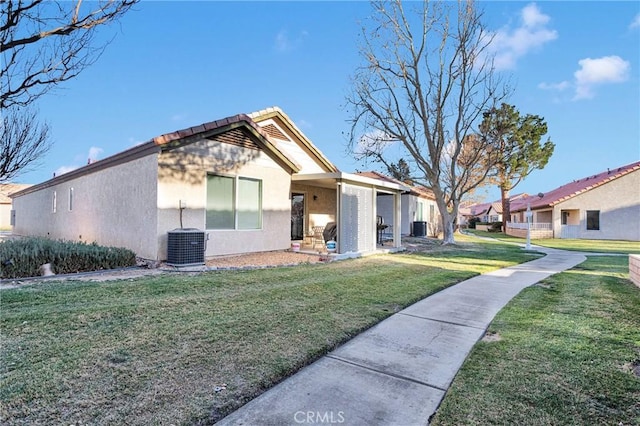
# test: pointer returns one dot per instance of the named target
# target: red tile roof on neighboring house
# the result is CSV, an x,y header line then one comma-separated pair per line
x,y
482,208
420,191
570,190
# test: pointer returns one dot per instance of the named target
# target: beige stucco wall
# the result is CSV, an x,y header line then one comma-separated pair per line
x,y
182,177
5,217
619,204
320,211
113,207
634,269
409,211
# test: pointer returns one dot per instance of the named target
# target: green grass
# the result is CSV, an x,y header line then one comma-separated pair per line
x,y
155,350
594,246
567,352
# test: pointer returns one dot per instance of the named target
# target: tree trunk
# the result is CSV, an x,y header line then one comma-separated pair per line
x,y
506,208
448,236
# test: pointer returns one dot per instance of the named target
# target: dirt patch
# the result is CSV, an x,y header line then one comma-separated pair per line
x,y
633,367
264,259
491,336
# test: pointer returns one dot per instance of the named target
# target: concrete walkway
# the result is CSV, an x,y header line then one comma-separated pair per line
x,y
397,372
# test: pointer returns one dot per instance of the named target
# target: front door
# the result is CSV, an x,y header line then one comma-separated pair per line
x,y
297,216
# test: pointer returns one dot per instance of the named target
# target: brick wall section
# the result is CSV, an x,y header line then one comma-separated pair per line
x,y
634,268
536,234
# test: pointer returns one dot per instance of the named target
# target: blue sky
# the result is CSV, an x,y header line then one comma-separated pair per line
x,y
174,64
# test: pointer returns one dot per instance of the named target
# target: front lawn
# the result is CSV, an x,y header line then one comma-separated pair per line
x,y
182,349
593,246
565,352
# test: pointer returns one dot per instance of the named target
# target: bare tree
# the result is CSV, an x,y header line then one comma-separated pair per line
x,y
426,78
22,142
44,43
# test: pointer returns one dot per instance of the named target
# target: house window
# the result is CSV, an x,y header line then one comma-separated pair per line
x,y
70,199
565,218
432,213
233,203
593,220
54,205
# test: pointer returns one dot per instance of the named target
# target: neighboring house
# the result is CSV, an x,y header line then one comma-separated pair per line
x,y
253,182
605,206
492,212
7,189
418,205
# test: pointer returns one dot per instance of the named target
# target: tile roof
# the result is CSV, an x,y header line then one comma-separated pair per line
x,y
572,189
164,141
482,208
421,191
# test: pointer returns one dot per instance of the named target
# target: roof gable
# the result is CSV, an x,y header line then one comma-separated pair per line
x,y
289,139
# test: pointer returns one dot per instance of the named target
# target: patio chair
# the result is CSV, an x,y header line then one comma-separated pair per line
x,y
318,238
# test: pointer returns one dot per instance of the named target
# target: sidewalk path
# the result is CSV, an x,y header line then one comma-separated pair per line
x,y
397,372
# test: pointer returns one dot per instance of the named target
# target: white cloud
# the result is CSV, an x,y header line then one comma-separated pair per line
x,y
509,44
64,169
283,43
134,141
563,85
94,153
592,72
635,23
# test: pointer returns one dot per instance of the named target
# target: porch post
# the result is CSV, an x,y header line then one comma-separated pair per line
x,y
397,220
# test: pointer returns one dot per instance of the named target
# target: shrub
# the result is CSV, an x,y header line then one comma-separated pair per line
x,y
495,227
472,222
23,257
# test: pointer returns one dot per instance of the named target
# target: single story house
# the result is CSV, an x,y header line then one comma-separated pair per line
x,y
491,212
5,203
418,205
605,206
252,182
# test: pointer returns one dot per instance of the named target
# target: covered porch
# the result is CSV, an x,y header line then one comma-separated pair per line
x,y
341,207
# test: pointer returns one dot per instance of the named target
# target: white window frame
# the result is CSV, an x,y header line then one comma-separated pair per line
x,y
236,203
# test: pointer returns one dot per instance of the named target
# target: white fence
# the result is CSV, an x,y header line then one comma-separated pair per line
x,y
534,226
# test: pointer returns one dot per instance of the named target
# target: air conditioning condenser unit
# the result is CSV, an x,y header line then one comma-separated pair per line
x,y
186,247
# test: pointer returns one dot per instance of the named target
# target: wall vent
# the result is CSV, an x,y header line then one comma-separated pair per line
x,y
185,247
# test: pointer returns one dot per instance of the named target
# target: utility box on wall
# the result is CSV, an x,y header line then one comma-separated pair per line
x,y
186,247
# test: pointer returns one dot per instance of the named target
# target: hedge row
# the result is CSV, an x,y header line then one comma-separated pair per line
x,y
23,257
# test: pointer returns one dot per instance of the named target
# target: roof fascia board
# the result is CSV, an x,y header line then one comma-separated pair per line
x,y
351,178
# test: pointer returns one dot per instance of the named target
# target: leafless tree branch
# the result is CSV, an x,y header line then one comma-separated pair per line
x,y
424,83
23,141
44,43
